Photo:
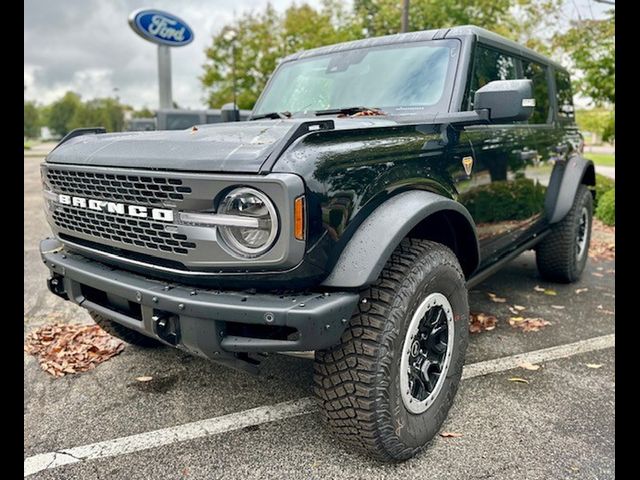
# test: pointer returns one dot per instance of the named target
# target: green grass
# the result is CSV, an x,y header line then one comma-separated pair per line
x,y
27,145
604,159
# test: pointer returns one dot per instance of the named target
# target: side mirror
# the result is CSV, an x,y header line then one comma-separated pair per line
x,y
506,100
230,113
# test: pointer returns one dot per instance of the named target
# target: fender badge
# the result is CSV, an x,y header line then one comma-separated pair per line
x,y
467,163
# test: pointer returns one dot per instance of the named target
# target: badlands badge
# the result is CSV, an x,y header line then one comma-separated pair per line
x,y
467,163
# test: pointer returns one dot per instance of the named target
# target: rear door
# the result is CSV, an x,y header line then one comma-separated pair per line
x,y
542,148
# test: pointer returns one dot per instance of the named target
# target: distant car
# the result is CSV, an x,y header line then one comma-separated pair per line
x,y
140,125
375,182
179,119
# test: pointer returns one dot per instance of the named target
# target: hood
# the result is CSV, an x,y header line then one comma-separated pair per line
x,y
241,147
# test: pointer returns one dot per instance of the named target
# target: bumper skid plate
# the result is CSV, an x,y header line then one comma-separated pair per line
x,y
219,325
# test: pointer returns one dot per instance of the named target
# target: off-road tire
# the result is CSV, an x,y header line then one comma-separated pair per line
x,y
556,254
357,381
123,333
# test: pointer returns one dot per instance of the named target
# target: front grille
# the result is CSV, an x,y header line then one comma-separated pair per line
x,y
123,230
146,190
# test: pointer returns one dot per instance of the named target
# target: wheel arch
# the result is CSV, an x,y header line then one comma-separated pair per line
x,y
419,214
564,185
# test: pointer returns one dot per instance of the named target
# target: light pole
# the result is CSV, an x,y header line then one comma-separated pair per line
x,y
405,16
230,37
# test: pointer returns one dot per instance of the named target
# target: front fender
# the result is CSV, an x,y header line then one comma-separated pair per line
x,y
364,257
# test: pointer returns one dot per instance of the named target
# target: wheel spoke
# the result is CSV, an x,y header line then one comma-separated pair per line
x,y
426,354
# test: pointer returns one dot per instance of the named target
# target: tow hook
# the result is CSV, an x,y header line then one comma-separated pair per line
x,y
56,286
167,327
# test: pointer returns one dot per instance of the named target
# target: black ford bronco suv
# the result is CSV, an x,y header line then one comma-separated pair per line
x,y
374,184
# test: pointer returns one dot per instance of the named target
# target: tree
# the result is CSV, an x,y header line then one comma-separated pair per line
x,y
144,112
515,19
591,47
596,120
100,112
260,40
31,120
62,112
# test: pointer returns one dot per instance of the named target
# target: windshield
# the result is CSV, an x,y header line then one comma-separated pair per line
x,y
408,76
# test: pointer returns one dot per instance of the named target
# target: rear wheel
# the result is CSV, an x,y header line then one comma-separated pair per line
x,y
389,384
562,255
124,333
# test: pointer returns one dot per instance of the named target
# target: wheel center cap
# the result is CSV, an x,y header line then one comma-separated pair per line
x,y
415,348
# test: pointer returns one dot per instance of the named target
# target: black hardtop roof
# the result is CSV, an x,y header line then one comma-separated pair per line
x,y
483,35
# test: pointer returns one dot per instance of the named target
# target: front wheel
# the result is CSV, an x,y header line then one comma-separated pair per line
x,y
388,386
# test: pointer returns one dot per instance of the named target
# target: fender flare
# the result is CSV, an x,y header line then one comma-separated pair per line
x,y
368,250
564,184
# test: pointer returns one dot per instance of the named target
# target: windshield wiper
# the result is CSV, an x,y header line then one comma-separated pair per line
x,y
273,115
350,111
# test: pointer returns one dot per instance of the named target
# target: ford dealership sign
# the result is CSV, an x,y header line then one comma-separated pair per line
x,y
161,27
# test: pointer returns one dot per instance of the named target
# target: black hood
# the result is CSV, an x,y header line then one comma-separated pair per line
x,y
242,147
228,147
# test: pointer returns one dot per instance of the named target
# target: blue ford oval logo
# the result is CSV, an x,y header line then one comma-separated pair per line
x,y
161,27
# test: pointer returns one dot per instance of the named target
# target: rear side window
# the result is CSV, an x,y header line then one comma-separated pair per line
x,y
538,74
566,113
490,65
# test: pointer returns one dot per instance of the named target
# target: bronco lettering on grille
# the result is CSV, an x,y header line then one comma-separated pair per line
x,y
161,214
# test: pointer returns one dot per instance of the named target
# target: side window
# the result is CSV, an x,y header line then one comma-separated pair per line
x,y
538,74
566,113
490,65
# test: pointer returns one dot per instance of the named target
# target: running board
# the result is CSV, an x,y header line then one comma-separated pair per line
x,y
490,270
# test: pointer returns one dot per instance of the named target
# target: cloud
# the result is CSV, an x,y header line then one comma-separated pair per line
x,y
87,46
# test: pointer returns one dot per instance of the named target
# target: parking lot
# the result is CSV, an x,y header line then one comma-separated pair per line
x,y
196,419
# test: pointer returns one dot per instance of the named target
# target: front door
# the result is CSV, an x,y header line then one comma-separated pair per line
x,y
511,165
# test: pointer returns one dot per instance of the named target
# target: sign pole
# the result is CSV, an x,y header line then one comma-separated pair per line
x,y
164,76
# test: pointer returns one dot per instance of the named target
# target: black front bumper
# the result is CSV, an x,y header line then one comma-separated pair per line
x,y
211,323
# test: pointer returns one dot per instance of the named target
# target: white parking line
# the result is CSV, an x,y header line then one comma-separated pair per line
x,y
270,413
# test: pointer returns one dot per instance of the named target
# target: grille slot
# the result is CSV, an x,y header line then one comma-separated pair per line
x,y
122,230
140,189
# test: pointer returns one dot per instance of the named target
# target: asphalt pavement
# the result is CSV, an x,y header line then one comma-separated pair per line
x,y
219,423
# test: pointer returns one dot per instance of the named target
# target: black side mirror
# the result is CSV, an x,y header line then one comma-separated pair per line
x,y
230,113
506,100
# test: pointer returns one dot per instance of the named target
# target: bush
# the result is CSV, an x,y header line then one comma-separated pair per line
x,y
606,210
603,185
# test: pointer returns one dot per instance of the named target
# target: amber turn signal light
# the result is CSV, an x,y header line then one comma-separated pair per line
x,y
298,218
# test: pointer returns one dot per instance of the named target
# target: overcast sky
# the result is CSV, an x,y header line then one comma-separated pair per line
x,y
87,46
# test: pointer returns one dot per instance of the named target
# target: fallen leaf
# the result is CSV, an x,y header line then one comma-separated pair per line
x,y
518,380
71,348
597,274
593,365
481,322
528,324
450,435
548,291
519,307
529,366
581,290
144,379
558,307
538,288
495,298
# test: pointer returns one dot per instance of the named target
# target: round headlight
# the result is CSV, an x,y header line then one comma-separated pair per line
x,y
249,241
